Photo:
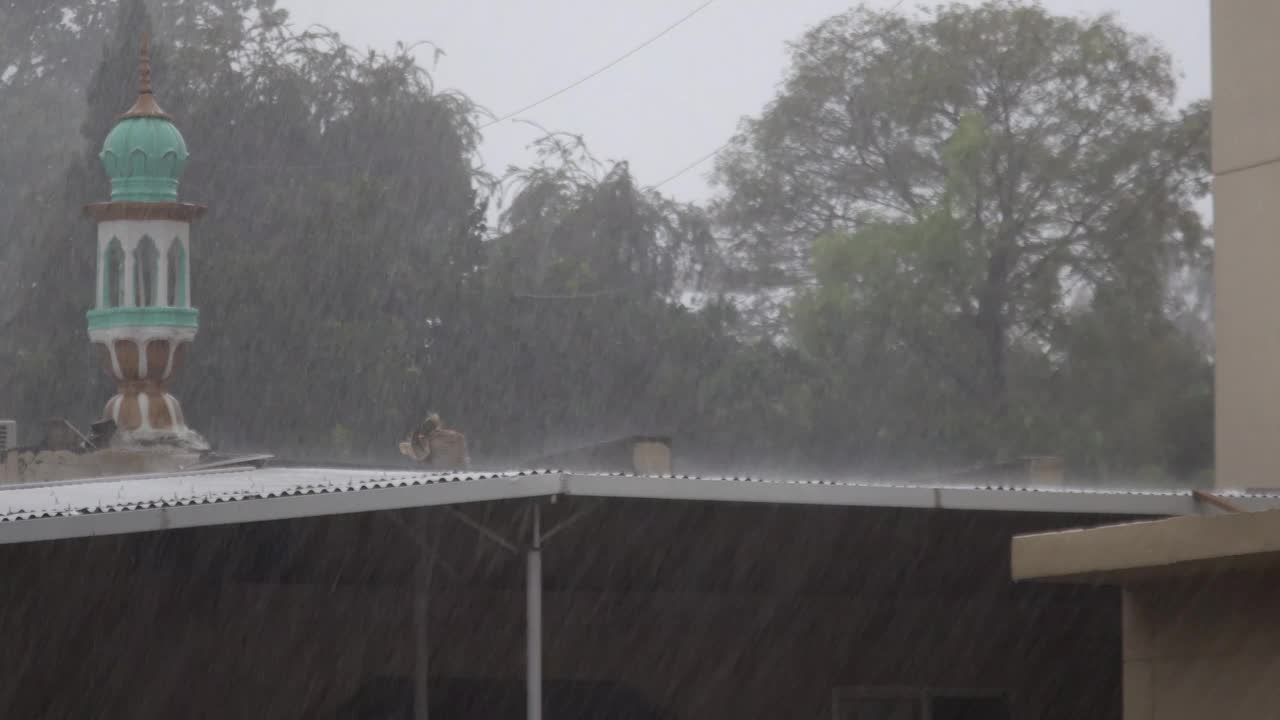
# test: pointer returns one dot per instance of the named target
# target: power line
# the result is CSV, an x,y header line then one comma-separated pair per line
x,y
691,165
718,150
617,60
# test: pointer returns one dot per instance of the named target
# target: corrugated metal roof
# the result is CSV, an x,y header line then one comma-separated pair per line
x,y
141,503
138,492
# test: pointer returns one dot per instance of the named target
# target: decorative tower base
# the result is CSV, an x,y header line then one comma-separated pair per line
x,y
142,360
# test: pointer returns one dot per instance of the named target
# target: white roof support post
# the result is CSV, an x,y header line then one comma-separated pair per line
x,y
533,597
533,615
533,592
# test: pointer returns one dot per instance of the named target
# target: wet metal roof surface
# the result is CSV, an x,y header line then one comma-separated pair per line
x,y
141,503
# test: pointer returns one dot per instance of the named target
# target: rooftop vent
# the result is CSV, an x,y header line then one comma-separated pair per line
x,y
1032,471
639,454
8,435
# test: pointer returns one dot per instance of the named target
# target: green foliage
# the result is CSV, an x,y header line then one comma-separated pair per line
x,y
571,228
970,184
1120,388
983,218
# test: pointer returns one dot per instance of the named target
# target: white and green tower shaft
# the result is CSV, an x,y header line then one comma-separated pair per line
x,y
143,322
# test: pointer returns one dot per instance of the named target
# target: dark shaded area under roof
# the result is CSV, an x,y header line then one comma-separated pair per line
x,y
701,610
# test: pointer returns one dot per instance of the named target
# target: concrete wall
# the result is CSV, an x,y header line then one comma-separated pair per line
x,y
1246,165
1202,648
40,466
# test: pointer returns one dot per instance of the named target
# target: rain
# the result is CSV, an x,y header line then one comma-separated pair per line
x,y
394,361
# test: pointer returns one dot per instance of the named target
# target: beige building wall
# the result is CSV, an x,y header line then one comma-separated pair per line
x,y
1246,166
1201,608
1202,649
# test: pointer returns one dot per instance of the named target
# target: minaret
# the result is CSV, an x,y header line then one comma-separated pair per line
x,y
143,323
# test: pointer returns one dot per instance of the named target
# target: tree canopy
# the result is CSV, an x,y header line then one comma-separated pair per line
x,y
953,192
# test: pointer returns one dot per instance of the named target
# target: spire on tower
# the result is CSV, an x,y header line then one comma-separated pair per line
x,y
145,105
144,65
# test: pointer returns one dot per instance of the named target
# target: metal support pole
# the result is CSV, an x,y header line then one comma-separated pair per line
x,y
533,598
421,611
422,576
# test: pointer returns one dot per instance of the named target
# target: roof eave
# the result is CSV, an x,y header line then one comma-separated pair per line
x,y
1172,548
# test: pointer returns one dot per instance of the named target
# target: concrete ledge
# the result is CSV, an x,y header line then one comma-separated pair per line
x,y
1176,547
44,466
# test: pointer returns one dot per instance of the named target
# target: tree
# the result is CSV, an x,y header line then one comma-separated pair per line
x,y
1133,393
575,227
586,336
53,369
339,241
997,162
47,54
369,197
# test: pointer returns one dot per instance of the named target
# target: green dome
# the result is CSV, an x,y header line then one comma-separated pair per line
x,y
144,157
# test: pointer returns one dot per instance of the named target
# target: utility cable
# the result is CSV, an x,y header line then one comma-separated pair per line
x,y
691,166
718,150
617,60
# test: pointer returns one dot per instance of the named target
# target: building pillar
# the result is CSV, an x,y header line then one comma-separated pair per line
x,y
1246,167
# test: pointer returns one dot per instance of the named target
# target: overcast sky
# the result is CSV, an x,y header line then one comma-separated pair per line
x,y
672,102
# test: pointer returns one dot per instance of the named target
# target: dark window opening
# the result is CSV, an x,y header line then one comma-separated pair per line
x,y
391,698
968,708
919,704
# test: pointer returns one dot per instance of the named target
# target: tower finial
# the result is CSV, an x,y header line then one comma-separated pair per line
x,y
144,65
145,105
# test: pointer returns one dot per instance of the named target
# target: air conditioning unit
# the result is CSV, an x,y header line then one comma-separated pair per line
x,y
8,435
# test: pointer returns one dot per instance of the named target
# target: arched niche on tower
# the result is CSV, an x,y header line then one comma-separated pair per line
x,y
176,262
112,268
138,163
146,267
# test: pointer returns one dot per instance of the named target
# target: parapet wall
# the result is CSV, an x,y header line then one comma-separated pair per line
x,y
39,466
